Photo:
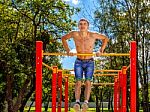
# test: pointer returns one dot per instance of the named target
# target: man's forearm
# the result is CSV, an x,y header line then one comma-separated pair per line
x,y
104,43
65,45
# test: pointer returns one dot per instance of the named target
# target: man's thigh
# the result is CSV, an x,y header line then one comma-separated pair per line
x,y
78,70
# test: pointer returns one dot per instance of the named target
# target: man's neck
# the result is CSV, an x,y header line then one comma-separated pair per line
x,y
83,33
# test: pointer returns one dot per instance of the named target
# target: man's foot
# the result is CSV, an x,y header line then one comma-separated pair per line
x,y
84,107
77,107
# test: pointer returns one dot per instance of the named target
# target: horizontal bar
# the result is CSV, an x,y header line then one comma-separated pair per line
x,y
87,54
105,74
97,70
107,70
64,75
46,65
94,84
128,67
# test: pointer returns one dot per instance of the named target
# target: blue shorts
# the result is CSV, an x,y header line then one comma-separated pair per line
x,y
84,67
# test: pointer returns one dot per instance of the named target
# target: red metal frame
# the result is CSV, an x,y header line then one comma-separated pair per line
x,y
66,94
133,77
59,90
120,91
115,94
124,89
38,94
133,82
54,85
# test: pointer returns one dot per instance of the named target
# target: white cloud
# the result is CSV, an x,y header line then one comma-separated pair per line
x,y
66,0
75,2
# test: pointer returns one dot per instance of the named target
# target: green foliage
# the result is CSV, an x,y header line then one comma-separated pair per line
x,y
22,23
125,21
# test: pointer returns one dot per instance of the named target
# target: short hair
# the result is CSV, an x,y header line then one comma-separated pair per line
x,y
83,19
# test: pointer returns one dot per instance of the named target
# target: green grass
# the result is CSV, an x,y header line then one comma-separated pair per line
x,y
71,110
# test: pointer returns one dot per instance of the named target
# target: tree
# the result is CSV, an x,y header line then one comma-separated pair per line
x,y
21,24
124,21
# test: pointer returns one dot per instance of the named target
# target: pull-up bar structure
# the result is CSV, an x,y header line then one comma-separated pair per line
x,y
133,78
87,54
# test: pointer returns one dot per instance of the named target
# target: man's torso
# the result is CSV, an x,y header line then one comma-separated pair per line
x,y
84,45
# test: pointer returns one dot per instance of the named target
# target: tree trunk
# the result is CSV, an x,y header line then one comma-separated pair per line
x,y
101,99
9,98
97,99
26,98
21,95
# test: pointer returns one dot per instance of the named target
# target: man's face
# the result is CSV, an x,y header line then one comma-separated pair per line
x,y
83,26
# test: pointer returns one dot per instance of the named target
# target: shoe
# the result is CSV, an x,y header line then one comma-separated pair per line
x,y
85,107
77,107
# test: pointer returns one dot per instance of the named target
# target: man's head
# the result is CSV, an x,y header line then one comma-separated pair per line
x,y
83,24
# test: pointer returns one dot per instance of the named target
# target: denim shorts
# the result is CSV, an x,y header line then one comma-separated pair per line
x,y
84,67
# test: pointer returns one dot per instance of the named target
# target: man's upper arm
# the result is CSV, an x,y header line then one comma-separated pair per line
x,y
100,36
67,36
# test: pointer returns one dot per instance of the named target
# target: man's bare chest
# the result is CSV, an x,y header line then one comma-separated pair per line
x,y
84,40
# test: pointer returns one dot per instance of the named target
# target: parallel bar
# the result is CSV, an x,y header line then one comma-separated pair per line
x,y
94,84
105,74
47,66
107,70
38,94
64,75
133,77
88,54
98,70
127,67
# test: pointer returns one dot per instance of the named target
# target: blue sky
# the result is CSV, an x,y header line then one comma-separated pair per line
x,y
87,9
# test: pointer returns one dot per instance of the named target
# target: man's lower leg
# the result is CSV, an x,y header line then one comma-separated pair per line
x,y
77,96
86,95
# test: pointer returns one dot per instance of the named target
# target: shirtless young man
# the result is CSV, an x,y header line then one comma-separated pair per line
x,y
84,42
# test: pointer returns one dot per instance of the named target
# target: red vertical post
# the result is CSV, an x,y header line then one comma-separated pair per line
x,y
59,90
66,94
54,85
115,94
124,89
38,94
119,83
120,91
133,78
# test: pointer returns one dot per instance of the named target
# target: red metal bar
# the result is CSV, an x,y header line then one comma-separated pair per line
x,y
133,78
124,89
121,90
66,94
38,94
54,85
115,94
59,90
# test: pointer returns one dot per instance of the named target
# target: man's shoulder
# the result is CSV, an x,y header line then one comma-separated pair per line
x,y
74,32
93,32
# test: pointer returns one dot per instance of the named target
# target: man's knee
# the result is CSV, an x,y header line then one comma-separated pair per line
x,y
78,83
88,82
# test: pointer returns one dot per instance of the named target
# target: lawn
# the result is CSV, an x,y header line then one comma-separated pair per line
x,y
71,110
